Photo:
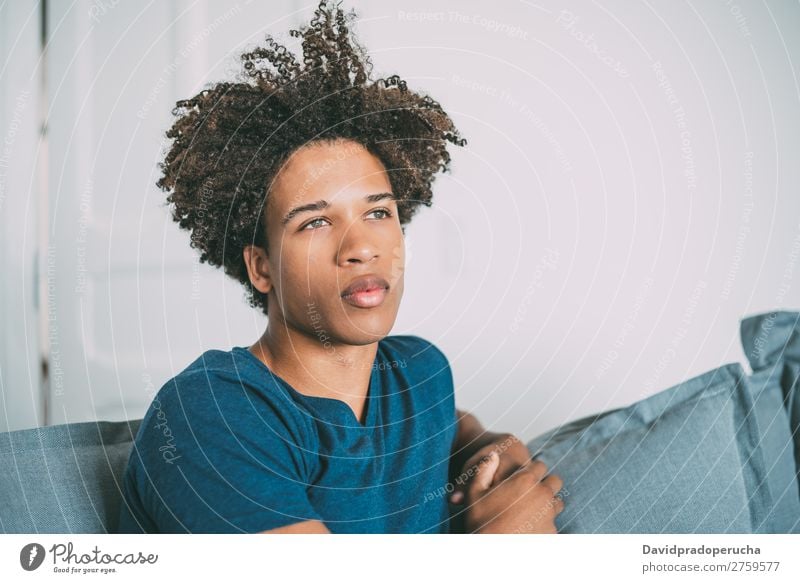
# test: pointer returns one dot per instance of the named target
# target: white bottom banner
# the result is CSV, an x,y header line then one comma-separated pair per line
x,y
397,557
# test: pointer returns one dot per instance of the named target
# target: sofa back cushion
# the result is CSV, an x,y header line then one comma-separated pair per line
x,y
771,342
685,460
64,478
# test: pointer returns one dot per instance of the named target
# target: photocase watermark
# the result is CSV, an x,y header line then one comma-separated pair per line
x,y
760,343
549,261
567,21
761,340
744,226
401,255
741,19
55,370
389,364
680,334
195,293
21,102
319,171
31,556
84,216
65,555
477,86
200,231
466,475
679,114
542,512
168,71
613,353
168,450
490,24
319,331
100,8
422,16
508,100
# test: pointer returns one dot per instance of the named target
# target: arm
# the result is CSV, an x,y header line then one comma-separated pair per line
x,y
305,527
470,437
504,492
473,441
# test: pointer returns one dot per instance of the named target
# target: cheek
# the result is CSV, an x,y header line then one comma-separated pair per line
x,y
299,253
398,263
399,287
294,273
305,273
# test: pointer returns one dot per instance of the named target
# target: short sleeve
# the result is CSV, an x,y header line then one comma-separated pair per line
x,y
438,369
217,456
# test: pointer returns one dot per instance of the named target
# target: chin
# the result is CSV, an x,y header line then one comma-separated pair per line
x,y
367,330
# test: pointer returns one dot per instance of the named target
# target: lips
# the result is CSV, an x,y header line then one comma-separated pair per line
x,y
366,292
366,283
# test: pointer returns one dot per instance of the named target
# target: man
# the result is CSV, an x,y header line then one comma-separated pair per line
x,y
299,185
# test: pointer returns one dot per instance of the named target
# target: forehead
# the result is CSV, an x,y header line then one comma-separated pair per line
x,y
340,171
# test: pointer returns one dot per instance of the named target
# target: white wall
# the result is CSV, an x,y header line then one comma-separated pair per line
x,y
629,192
596,241
21,390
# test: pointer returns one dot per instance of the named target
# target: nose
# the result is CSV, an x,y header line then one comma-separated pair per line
x,y
357,245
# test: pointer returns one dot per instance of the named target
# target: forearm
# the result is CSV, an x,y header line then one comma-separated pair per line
x,y
470,437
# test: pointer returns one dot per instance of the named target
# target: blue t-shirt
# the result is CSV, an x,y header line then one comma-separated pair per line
x,y
228,446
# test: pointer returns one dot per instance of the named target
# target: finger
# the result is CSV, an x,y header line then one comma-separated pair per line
x,y
558,504
461,483
553,482
457,495
535,467
468,470
485,473
506,469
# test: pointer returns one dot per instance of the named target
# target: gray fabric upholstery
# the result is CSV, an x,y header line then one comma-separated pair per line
x,y
64,478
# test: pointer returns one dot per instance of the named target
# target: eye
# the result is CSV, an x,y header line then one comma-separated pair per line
x,y
311,222
386,214
382,210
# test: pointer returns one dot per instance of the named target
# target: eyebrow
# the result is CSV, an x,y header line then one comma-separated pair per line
x,y
321,204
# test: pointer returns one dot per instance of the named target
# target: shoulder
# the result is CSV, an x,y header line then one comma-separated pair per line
x,y
419,362
217,447
423,379
416,348
211,369
221,408
225,389
222,374
221,364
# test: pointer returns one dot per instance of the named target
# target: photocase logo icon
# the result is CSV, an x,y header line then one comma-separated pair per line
x,y
31,556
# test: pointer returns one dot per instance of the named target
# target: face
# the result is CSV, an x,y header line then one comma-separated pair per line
x,y
331,220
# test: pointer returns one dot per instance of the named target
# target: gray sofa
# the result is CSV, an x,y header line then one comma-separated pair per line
x,y
67,478
64,478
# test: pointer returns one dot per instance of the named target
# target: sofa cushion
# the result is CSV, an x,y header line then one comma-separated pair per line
x,y
685,460
64,478
771,342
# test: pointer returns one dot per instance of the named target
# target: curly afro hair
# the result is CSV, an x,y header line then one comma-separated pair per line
x,y
231,139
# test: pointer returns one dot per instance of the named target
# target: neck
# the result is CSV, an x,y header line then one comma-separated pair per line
x,y
316,368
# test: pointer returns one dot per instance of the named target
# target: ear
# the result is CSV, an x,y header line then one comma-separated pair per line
x,y
255,258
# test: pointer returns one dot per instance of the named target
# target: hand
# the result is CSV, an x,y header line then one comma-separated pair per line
x,y
524,503
513,455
